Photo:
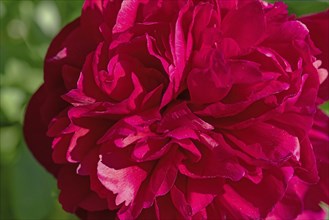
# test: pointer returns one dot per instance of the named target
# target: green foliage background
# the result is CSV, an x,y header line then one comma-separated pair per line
x,y
28,192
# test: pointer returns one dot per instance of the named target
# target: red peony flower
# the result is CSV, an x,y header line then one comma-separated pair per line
x,y
187,109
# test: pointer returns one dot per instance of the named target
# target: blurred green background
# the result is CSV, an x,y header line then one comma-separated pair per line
x,y
28,192
27,27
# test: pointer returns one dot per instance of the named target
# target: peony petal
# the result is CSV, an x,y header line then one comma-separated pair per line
x,y
57,52
98,215
127,15
250,30
151,47
200,193
228,4
271,143
181,115
35,130
92,17
290,206
88,166
190,149
245,72
150,148
86,83
308,170
163,177
73,196
318,27
179,201
245,200
215,162
319,136
215,82
70,76
166,209
58,124
124,182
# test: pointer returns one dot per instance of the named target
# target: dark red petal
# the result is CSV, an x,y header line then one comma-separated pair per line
x,y
57,52
249,31
201,192
98,215
271,143
290,206
319,31
246,200
215,162
165,208
35,130
163,177
75,191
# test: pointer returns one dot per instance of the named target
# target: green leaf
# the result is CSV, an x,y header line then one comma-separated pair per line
x,y
304,7
325,107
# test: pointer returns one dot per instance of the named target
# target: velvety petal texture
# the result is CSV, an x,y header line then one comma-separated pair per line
x,y
186,109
